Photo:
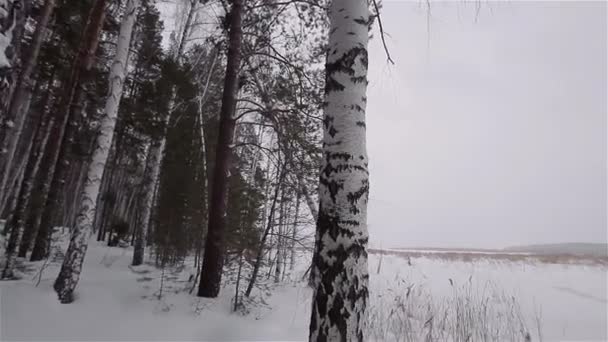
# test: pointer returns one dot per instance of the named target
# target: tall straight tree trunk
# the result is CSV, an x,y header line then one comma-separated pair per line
x,y
294,233
17,222
341,288
40,141
30,232
213,257
280,239
72,263
18,107
81,70
148,186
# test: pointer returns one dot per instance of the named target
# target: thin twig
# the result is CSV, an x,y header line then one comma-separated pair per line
x,y
388,55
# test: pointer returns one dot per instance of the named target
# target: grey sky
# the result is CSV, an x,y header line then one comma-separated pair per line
x,y
489,133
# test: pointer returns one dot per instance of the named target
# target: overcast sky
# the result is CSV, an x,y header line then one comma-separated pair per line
x,y
492,132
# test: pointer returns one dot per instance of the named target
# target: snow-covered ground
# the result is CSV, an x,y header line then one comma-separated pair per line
x,y
117,302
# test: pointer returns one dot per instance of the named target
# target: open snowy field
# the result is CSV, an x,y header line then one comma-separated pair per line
x,y
410,300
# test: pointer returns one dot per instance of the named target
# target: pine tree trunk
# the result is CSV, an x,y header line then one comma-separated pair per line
x,y
43,237
17,222
19,104
213,256
20,156
40,142
72,264
341,288
18,217
13,242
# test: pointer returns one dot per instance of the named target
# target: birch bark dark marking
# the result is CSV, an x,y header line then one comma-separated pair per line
x,y
340,261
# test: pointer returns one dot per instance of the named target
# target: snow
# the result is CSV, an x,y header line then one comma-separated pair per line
x,y
120,303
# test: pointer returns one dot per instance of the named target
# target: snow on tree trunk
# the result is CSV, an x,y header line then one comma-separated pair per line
x,y
72,264
340,294
8,22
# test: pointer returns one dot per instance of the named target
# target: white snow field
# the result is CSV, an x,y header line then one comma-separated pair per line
x,y
425,299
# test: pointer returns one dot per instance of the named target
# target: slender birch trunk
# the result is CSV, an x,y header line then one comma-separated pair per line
x,y
148,185
72,264
280,230
294,233
341,288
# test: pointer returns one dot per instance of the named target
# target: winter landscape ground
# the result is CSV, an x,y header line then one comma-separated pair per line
x,y
415,298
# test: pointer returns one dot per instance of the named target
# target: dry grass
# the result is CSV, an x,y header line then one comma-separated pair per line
x,y
469,313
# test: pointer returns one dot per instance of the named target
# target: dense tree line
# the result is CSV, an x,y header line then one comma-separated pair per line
x,y
206,145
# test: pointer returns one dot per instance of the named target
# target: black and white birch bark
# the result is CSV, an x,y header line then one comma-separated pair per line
x,y
341,286
72,264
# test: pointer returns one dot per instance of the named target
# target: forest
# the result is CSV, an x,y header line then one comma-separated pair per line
x,y
198,170
200,143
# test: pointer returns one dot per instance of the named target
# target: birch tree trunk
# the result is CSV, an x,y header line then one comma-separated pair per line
x,y
151,174
213,256
280,240
340,294
72,263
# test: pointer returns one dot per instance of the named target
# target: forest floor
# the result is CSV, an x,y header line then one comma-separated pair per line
x,y
409,301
